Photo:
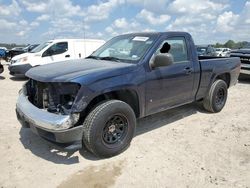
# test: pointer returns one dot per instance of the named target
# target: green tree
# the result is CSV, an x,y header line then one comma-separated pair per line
x,y
230,44
218,45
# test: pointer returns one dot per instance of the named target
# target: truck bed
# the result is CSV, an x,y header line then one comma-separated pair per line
x,y
210,57
212,66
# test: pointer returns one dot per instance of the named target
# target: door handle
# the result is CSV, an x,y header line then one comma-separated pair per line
x,y
67,55
188,70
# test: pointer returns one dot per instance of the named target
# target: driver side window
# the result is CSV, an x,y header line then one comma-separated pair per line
x,y
178,49
55,49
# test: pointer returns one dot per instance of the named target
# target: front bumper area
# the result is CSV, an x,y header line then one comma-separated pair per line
x,y
52,127
245,69
19,70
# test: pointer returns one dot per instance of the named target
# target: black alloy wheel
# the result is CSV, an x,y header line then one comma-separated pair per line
x,y
216,97
109,128
115,129
220,97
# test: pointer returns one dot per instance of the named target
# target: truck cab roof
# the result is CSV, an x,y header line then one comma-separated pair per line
x,y
160,33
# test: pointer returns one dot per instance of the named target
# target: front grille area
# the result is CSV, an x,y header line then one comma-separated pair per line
x,y
245,60
12,61
54,97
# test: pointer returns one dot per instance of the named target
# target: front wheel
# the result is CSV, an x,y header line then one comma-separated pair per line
x,y
109,128
216,97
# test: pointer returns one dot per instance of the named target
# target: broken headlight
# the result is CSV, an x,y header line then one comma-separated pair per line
x,y
54,97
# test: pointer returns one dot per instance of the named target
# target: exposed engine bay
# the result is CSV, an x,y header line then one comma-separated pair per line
x,y
55,97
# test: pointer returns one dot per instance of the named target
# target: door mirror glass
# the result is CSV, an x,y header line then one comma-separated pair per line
x,y
162,60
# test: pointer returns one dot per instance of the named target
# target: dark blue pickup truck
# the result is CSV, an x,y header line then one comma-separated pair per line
x,y
96,101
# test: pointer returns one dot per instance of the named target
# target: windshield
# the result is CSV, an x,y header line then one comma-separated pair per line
x,y
26,48
40,47
126,48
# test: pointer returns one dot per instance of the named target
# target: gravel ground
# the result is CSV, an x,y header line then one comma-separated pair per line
x,y
183,147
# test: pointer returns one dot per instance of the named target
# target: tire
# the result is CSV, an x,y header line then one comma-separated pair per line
x,y
216,97
109,128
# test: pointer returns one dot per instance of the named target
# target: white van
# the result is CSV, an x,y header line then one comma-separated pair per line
x,y
53,51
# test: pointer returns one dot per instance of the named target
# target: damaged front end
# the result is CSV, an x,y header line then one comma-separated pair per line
x,y
48,105
53,97
46,108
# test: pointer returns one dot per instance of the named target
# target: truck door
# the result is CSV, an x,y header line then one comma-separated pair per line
x,y
57,52
171,85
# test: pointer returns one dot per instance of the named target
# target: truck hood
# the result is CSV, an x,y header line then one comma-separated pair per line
x,y
83,71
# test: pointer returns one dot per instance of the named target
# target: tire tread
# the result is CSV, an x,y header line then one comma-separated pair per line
x,y
91,117
207,102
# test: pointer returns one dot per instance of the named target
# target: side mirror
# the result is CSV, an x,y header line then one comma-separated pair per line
x,y
162,60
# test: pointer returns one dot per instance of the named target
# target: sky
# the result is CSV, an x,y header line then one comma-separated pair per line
x,y
209,21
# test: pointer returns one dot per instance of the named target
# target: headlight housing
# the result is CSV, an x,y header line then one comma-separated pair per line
x,y
54,97
21,60
24,59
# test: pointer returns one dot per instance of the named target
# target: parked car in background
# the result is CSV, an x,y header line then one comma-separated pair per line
x,y
3,48
96,100
53,51
206,50
1,68
3,52
223,52
244,55
30,47
15,51
20,50
2,56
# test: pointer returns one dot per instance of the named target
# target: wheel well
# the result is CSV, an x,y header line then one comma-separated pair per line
x,y
225,77
128,96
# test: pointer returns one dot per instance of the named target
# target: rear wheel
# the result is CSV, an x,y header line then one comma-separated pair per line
x,y
216,97
109,128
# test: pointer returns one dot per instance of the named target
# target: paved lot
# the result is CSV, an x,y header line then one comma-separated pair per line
x,y
184,147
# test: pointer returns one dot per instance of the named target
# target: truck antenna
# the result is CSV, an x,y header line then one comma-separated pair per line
x,y
84,38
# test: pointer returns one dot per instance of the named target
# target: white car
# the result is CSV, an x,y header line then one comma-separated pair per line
x,y
223,52
53,51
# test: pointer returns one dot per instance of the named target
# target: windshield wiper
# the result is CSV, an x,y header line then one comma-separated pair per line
x,y
92,57
110,58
